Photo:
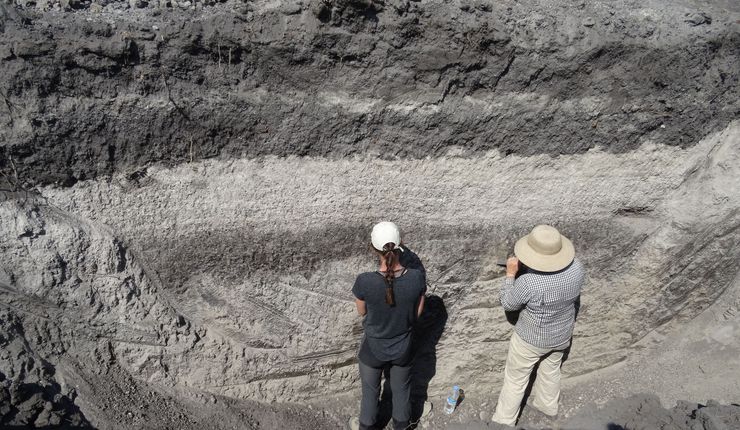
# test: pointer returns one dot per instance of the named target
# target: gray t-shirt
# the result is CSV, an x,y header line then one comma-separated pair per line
x,y
387,328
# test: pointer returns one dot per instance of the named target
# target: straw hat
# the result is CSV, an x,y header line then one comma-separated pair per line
x,y
545,249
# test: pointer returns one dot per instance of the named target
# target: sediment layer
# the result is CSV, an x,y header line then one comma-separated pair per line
x,y
187,195
101,90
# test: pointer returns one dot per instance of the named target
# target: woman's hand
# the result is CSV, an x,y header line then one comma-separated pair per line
x,y
512,266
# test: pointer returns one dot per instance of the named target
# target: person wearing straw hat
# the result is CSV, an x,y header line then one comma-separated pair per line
x,y
544,281
390,300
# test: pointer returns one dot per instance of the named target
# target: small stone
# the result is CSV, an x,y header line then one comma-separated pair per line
x,y
321,10
70,4
589,22
242,9
43,419
291,9
55,418
700,18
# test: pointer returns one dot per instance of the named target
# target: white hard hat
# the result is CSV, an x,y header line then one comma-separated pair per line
x,y
383,233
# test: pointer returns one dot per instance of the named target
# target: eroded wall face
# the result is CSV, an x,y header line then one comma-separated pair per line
x,y
249,264
206,227
262,254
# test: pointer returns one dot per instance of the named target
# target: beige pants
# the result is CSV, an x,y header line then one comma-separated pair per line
x,y
519,363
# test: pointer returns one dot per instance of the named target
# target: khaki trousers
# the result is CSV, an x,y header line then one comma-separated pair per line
x,y
519,363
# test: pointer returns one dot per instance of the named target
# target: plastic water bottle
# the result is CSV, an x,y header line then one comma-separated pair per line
x,y
452,400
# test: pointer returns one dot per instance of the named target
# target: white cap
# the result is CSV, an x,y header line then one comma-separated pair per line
x,y
383,233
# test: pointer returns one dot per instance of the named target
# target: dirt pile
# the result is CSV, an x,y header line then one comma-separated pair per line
x,y
29,393
187,193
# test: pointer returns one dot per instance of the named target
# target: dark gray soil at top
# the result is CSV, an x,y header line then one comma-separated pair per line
x,y
102,89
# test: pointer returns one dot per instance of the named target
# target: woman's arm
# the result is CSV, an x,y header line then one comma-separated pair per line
x,y
361,308
421,307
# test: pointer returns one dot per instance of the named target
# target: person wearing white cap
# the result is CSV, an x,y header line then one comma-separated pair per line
x,y
544,280
390,300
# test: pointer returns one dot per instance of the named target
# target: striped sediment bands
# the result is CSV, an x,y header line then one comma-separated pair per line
x,y
276,84
209,179
240,247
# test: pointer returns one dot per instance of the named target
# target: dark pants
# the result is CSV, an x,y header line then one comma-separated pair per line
x,y
371,370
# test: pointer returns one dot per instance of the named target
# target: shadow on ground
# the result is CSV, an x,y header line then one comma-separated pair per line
x,y
427,332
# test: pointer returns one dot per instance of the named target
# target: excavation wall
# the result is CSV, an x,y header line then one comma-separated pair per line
x,y
189,193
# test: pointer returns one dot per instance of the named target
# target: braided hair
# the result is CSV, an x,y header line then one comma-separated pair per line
x,y
390,258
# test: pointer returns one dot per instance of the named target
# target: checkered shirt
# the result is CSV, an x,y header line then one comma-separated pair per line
x,y
549,302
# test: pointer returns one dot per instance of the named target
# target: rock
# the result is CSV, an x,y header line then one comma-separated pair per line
x,y
242,9
32,403
43,419
589,22
291,8
699,18
56,418
70,4
4,402
321,9
28,48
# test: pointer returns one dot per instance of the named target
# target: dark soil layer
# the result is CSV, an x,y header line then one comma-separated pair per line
x,y
100,90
